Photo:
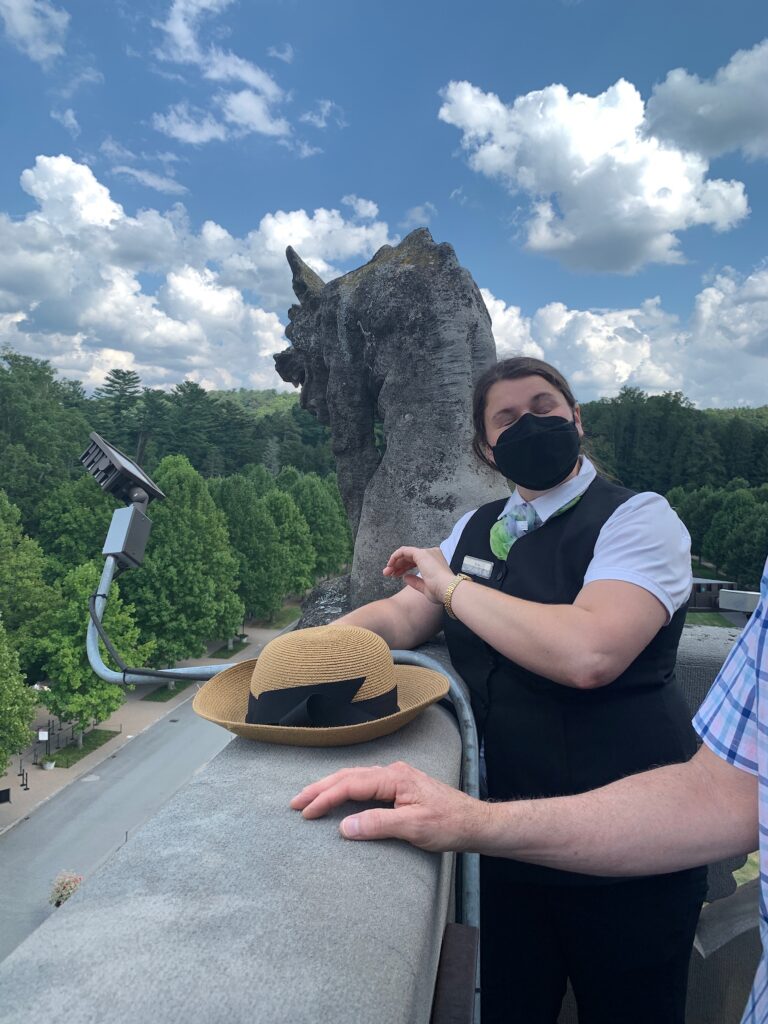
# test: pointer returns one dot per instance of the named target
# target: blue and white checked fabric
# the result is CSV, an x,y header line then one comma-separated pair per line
x,y
733,722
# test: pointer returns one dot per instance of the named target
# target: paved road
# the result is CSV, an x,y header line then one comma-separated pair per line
x,y
84,824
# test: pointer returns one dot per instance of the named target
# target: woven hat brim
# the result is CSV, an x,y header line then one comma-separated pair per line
x,y
224,700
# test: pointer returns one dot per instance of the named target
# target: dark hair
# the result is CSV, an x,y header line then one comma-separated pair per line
x,y
511,369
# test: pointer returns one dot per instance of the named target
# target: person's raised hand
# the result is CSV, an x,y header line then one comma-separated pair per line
x,y
426,813
435,572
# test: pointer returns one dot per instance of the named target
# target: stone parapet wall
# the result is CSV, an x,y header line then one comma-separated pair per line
x,y
228,906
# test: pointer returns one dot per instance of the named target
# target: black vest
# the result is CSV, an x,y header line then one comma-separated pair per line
x,y
543,738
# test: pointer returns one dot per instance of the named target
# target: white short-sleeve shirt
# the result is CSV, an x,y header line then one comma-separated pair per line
x,y
644,542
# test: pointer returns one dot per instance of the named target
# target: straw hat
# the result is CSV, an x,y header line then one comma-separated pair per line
x,y
320,687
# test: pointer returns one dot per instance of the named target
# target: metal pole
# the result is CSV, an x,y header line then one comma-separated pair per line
x,y
469,909
109,675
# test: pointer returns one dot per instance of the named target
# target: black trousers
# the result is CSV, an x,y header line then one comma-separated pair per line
x,y
625,947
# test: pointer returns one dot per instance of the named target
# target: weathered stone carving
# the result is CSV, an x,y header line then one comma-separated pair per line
x,y
400,340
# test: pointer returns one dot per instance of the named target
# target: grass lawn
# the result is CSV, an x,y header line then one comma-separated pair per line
x,y
707,619
288,613
162,693
92,740
223,652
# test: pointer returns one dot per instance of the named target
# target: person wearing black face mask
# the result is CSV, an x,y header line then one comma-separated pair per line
x,y
562,608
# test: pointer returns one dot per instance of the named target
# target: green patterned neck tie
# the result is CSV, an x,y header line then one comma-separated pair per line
x,y
519,521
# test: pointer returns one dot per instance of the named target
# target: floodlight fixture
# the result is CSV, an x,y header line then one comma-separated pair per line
x,y
117,474
120,476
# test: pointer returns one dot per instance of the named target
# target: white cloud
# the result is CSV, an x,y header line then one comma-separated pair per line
x,y
324,239
718,358
511,330
285,53
67,119
364,209
181,26
304,149
418,216
224,67
73,290
158,182
115,150
324,111
86,76
35,27
717,115
189,125
250,111
603,194
69,195
73,286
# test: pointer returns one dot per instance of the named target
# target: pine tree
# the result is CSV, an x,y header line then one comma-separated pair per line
x,y
153,427
185,593
192,422
17,704
116,406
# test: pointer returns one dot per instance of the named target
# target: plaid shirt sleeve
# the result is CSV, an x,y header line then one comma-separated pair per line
x,y
727,721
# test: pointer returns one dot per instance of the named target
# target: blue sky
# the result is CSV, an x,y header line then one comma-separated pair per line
x,y
599,167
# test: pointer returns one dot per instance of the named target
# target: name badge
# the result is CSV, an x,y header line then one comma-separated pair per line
x,y
477,567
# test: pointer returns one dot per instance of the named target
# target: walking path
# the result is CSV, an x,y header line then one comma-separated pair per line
x,y
132,718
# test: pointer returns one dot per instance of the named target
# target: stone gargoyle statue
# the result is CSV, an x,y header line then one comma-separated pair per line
x,y
400,341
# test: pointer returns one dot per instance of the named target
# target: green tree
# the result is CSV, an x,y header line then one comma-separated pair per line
x,y
192,421
255,540
153,427
725,525
297,552
116,407
17,704
24,592
73,522
332,487
185,593
77,694
43,431
287,479
260,477
327,528
696,455
701,506
748,546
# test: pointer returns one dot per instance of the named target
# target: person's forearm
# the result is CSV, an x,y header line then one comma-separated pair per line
x,y
663,820
564,642
389,621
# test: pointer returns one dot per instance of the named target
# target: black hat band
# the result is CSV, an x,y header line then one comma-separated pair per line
x,y
320,705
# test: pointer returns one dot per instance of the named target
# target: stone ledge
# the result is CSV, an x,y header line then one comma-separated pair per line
x,y
227,905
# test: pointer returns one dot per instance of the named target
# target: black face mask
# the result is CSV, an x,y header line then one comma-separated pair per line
x,y
537,452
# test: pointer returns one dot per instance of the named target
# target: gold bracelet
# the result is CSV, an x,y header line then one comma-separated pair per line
x,y
448,596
